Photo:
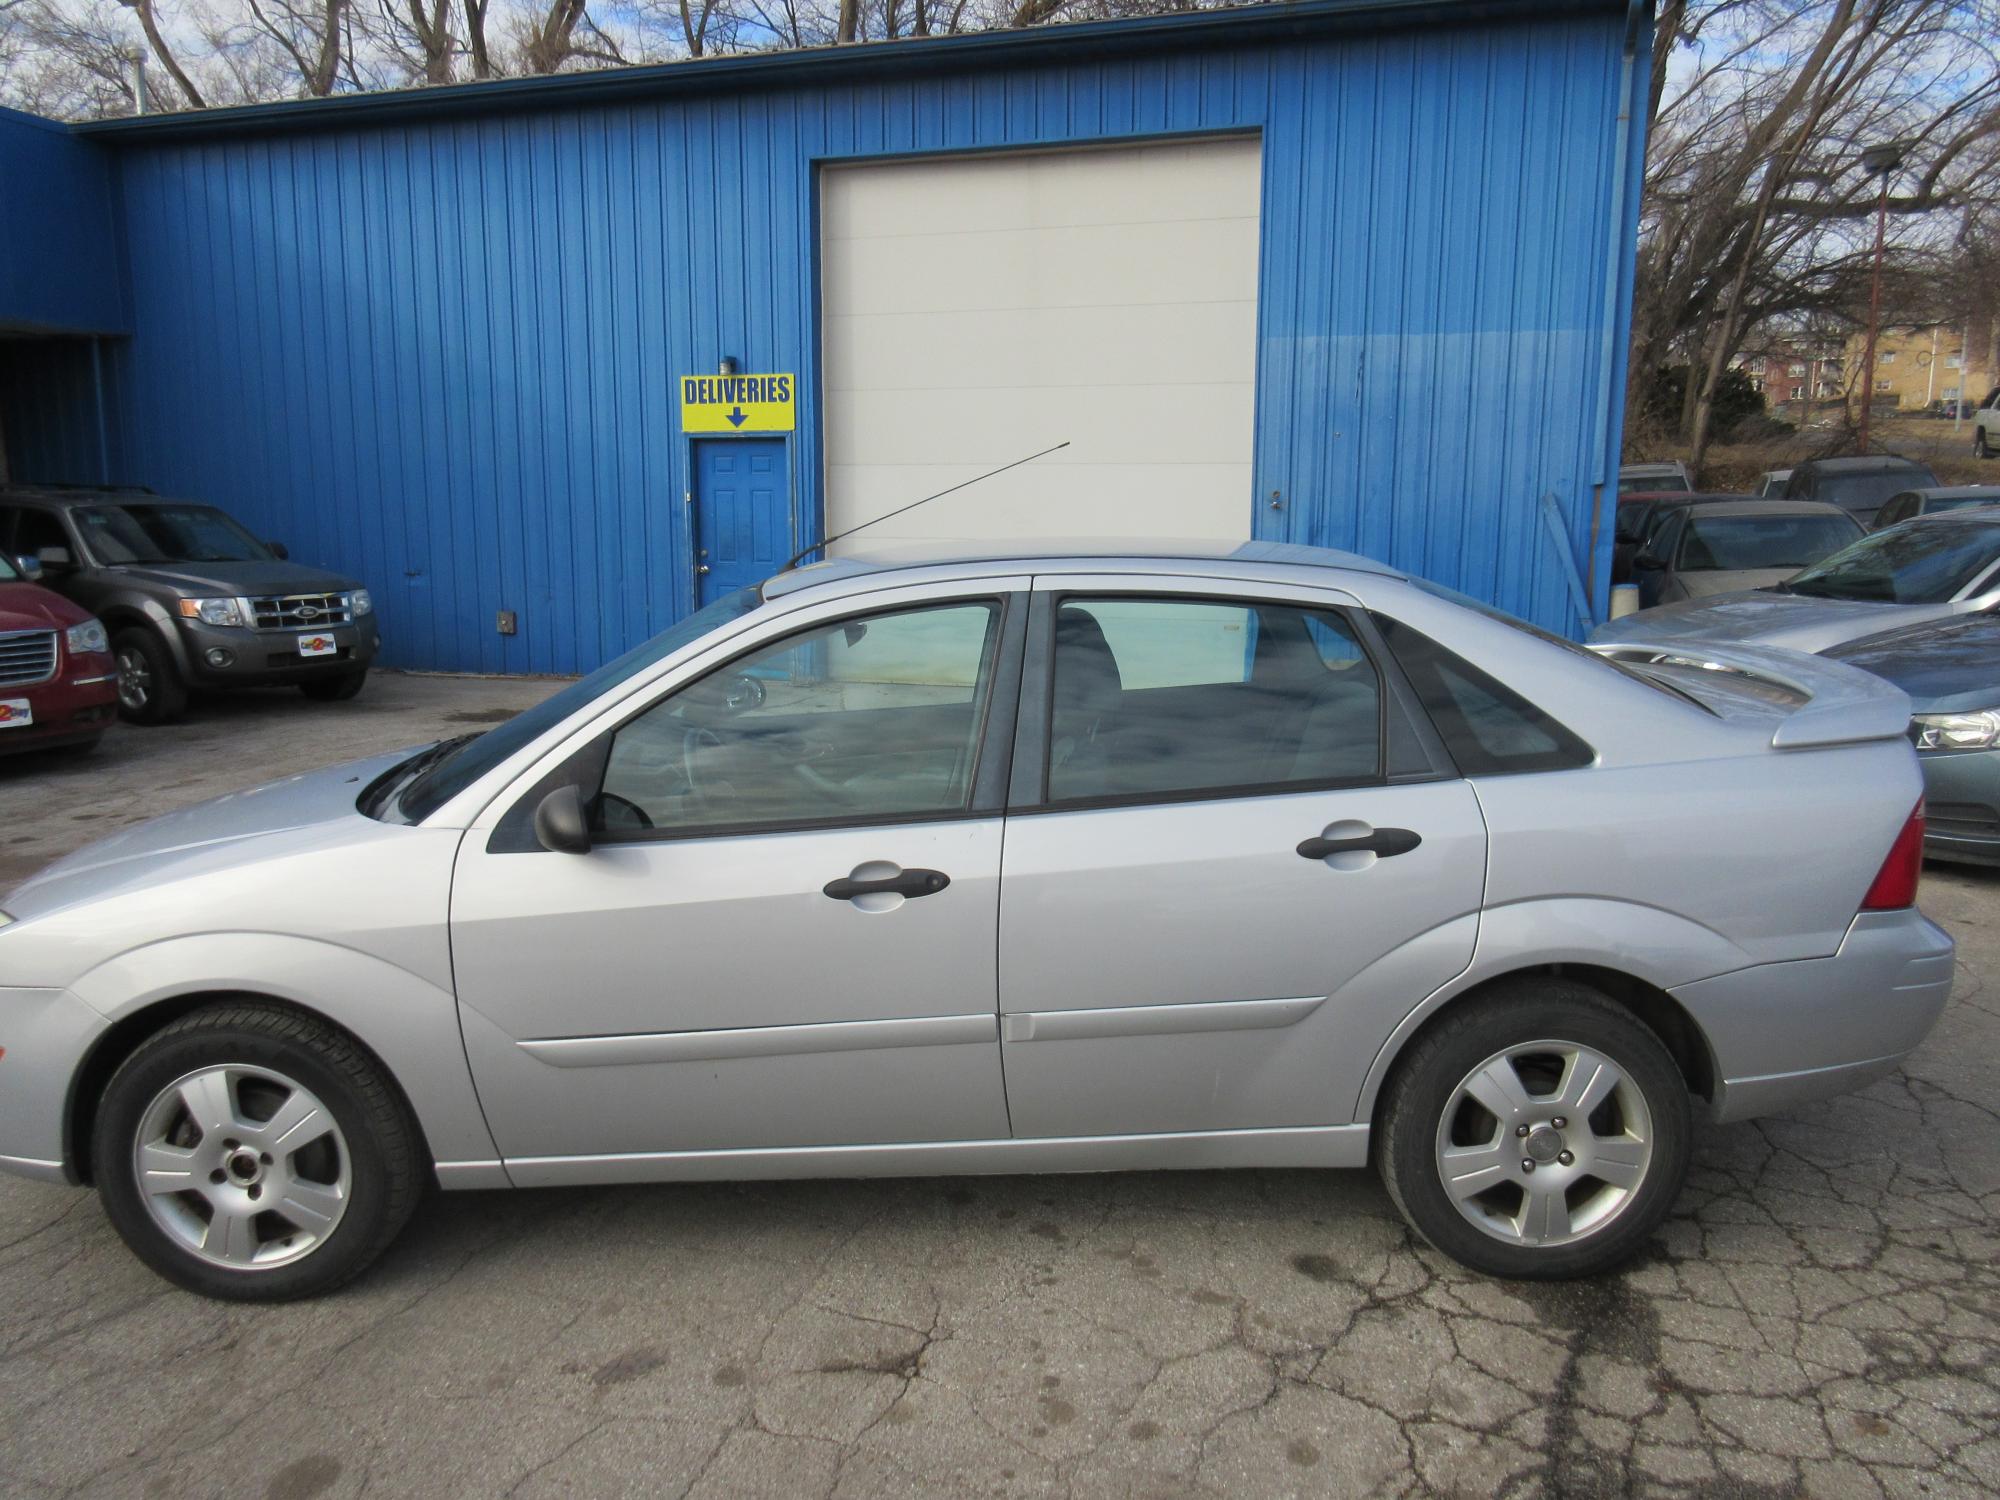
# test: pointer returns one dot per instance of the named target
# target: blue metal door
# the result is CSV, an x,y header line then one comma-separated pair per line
x,y
742,514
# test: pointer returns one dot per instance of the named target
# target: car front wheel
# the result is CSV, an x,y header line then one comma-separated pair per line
x,y
150,691
253,1153
1980,447
1540,1131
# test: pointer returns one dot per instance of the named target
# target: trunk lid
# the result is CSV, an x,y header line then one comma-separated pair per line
x,y
1807,701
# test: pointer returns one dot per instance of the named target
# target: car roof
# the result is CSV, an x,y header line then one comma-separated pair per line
x,y
1872,463
1670,466
1754,507
1151,554
1975,515
1956,491
67,494
1689,499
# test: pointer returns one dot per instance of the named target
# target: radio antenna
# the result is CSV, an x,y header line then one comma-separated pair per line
x,y
841,536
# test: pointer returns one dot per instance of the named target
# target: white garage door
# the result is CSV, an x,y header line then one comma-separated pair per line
x,y
977,308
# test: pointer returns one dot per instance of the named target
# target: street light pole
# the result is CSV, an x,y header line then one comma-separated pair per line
x,y
1881,161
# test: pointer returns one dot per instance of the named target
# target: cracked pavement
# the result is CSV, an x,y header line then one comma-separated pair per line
x,y
1820,1315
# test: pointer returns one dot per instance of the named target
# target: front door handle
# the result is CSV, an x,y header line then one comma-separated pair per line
x,y
1383,842
909,883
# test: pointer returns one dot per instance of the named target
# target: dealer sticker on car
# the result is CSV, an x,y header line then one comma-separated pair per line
x,y
317,645
15,711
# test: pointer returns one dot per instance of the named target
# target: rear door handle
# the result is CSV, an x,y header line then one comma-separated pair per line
x,y
908,883
1383,842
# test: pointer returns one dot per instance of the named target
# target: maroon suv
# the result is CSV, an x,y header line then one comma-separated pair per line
x,y
58,684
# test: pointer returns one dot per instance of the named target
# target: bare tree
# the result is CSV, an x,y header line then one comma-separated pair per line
x,y
1757,208
150,25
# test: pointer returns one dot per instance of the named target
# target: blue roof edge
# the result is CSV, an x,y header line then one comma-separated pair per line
x,y
969,51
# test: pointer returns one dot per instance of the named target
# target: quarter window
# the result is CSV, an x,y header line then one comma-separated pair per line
x,y
1490,729
1175,697
871,718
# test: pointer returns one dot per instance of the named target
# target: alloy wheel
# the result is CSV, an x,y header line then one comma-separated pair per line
x,y
1544,1143
244,1167
135,680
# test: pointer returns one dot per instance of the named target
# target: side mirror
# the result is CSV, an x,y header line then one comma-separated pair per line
x,y
279,551
55,560
29,568
560,824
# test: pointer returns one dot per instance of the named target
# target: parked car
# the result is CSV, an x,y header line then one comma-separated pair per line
x,y
1859,486
1930,501
1639,517
57,684
1925,569
191,599
1255,914
1986,426
1951,670
1637,479
1700,551
1771,484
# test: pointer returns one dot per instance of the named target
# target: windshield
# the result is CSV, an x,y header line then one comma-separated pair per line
x,y
480,754
1959,502
165,534
1867,491
1733,543
1922,564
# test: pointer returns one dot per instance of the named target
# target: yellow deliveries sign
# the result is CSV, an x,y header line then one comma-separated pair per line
x,y
738,403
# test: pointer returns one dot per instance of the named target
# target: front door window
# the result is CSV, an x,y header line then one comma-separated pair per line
x,y
867,720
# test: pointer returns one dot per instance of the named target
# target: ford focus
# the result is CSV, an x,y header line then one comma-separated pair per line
x,y
935,863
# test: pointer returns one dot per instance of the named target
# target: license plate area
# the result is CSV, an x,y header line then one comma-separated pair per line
x,y
320,643
16,713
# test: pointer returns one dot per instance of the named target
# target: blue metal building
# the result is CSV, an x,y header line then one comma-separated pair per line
x,y
436,339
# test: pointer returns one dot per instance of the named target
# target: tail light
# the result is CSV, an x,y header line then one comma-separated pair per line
x,y
1896,882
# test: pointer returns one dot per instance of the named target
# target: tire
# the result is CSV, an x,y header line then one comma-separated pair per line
x,y
1494,1224
294,1222
150,691
335,689
1980,447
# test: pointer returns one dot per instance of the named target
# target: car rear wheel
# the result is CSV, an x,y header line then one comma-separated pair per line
x,y
150,691
252,1153
334,689
1541,1131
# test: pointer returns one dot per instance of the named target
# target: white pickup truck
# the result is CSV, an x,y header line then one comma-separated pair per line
x,y
1986,426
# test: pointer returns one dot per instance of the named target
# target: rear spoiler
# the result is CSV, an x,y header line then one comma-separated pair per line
x,y
1843,704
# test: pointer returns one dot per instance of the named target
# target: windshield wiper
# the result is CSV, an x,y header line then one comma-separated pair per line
x,y
391,784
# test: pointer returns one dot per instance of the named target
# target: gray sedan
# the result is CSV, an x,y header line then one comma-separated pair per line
x,y
1951,670
1927,569
1727,546
1029,861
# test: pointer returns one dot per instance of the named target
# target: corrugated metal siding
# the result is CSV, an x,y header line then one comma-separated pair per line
x,y
51,425
441,356
59,268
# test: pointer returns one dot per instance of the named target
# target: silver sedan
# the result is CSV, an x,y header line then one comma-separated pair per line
x,y
926,863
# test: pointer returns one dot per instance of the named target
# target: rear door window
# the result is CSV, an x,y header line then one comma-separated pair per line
x,y
1170,698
